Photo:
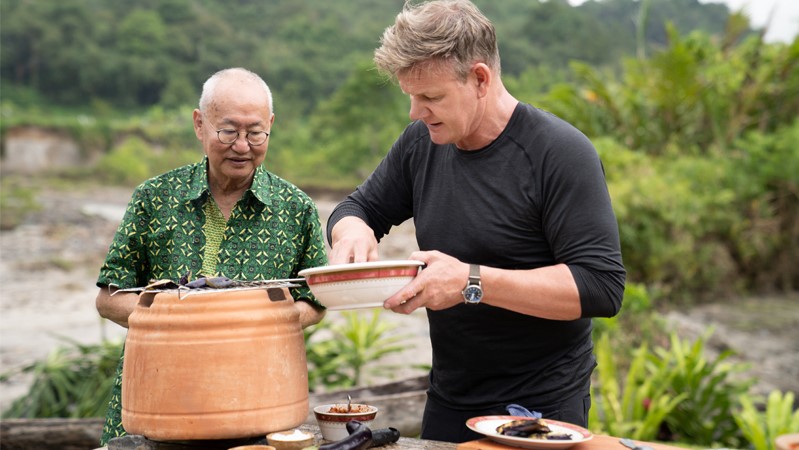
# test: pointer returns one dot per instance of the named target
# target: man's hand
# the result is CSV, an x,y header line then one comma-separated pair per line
x,y
548,292
352,241
438,286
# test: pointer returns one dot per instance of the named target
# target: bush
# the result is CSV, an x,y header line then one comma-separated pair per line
x,y
699,146
762,428
126,164
635,410
343,355
712,388
74,381
709,225
672,393
135,160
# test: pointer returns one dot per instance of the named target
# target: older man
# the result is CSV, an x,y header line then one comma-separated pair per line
x,y
223,216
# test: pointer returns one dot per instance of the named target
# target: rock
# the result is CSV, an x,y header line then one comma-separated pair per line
x,y
34,150
50,434
761,331
131,442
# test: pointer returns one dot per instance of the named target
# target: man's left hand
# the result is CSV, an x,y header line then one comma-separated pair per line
x,y
438,286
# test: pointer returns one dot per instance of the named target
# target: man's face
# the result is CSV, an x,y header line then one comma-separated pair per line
x,y
242,107
451,108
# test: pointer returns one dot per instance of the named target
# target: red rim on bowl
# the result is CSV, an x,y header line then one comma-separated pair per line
x,y
361,271
344,417
362,275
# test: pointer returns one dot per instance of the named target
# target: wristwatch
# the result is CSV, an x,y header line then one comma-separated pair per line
x,y
473,292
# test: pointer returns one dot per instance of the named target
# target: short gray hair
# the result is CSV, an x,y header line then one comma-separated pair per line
x,y
453,31
210,85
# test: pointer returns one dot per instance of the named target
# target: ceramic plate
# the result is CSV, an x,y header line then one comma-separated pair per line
x,y
487,425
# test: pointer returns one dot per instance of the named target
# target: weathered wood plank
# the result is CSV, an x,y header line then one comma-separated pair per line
x,y
50,434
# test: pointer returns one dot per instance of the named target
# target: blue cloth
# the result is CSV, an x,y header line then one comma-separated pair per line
x,y
519,410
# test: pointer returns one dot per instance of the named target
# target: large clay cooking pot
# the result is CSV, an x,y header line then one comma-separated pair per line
x,y
216,364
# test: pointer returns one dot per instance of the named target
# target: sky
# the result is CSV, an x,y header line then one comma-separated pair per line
x,y
784,26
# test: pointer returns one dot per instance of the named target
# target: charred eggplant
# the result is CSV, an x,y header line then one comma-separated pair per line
x,y
360,438
531,428
523,427
383,436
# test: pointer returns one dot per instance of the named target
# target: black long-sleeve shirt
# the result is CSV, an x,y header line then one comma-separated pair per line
x,y
534,197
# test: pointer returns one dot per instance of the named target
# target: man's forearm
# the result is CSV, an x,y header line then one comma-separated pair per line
x,y
116,308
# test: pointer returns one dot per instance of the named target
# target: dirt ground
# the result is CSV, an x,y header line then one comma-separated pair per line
x,y
49,264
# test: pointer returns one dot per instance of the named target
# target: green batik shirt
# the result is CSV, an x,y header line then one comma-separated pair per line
x,y
172,227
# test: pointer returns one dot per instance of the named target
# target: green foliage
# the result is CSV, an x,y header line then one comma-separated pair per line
x,y
697,143
323,370
694,97
762,428
17,200
126,164
90,131
712,388
673,393
371,126
134,160
763,175
346,353
636,410
141,52
74,381
716,224
637,323
671,224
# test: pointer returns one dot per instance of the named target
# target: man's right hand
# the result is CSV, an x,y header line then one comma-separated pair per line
x,y
352,242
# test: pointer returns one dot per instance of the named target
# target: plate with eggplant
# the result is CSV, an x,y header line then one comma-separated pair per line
x,y
528,432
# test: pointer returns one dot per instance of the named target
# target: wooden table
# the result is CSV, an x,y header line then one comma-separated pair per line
x,y
598,442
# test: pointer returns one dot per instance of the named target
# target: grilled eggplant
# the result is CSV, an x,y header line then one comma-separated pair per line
x,y
524,428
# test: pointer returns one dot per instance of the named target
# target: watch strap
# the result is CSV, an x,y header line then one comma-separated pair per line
x,y
474,274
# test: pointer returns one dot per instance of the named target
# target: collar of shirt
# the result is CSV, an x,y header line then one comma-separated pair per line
x,y
260,189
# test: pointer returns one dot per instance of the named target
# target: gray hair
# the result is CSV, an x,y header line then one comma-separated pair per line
x,y
453,31
210,85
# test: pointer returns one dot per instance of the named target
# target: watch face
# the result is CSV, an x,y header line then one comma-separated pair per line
x,y
473,294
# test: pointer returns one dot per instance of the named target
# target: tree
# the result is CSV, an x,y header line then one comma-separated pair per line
x,y
357,125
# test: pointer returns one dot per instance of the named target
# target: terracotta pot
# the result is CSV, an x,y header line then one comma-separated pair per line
x,y
787,442
216,364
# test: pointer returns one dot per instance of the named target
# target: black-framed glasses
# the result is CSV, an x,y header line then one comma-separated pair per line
x,y
228,136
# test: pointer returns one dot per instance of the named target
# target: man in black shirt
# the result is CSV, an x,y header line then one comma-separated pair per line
x,y
513,220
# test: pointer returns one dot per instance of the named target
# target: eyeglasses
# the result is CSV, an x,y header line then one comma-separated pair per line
x,y
253,137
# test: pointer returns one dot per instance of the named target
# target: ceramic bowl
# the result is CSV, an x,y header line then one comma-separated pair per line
x,y
290,440
333,424
359,285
